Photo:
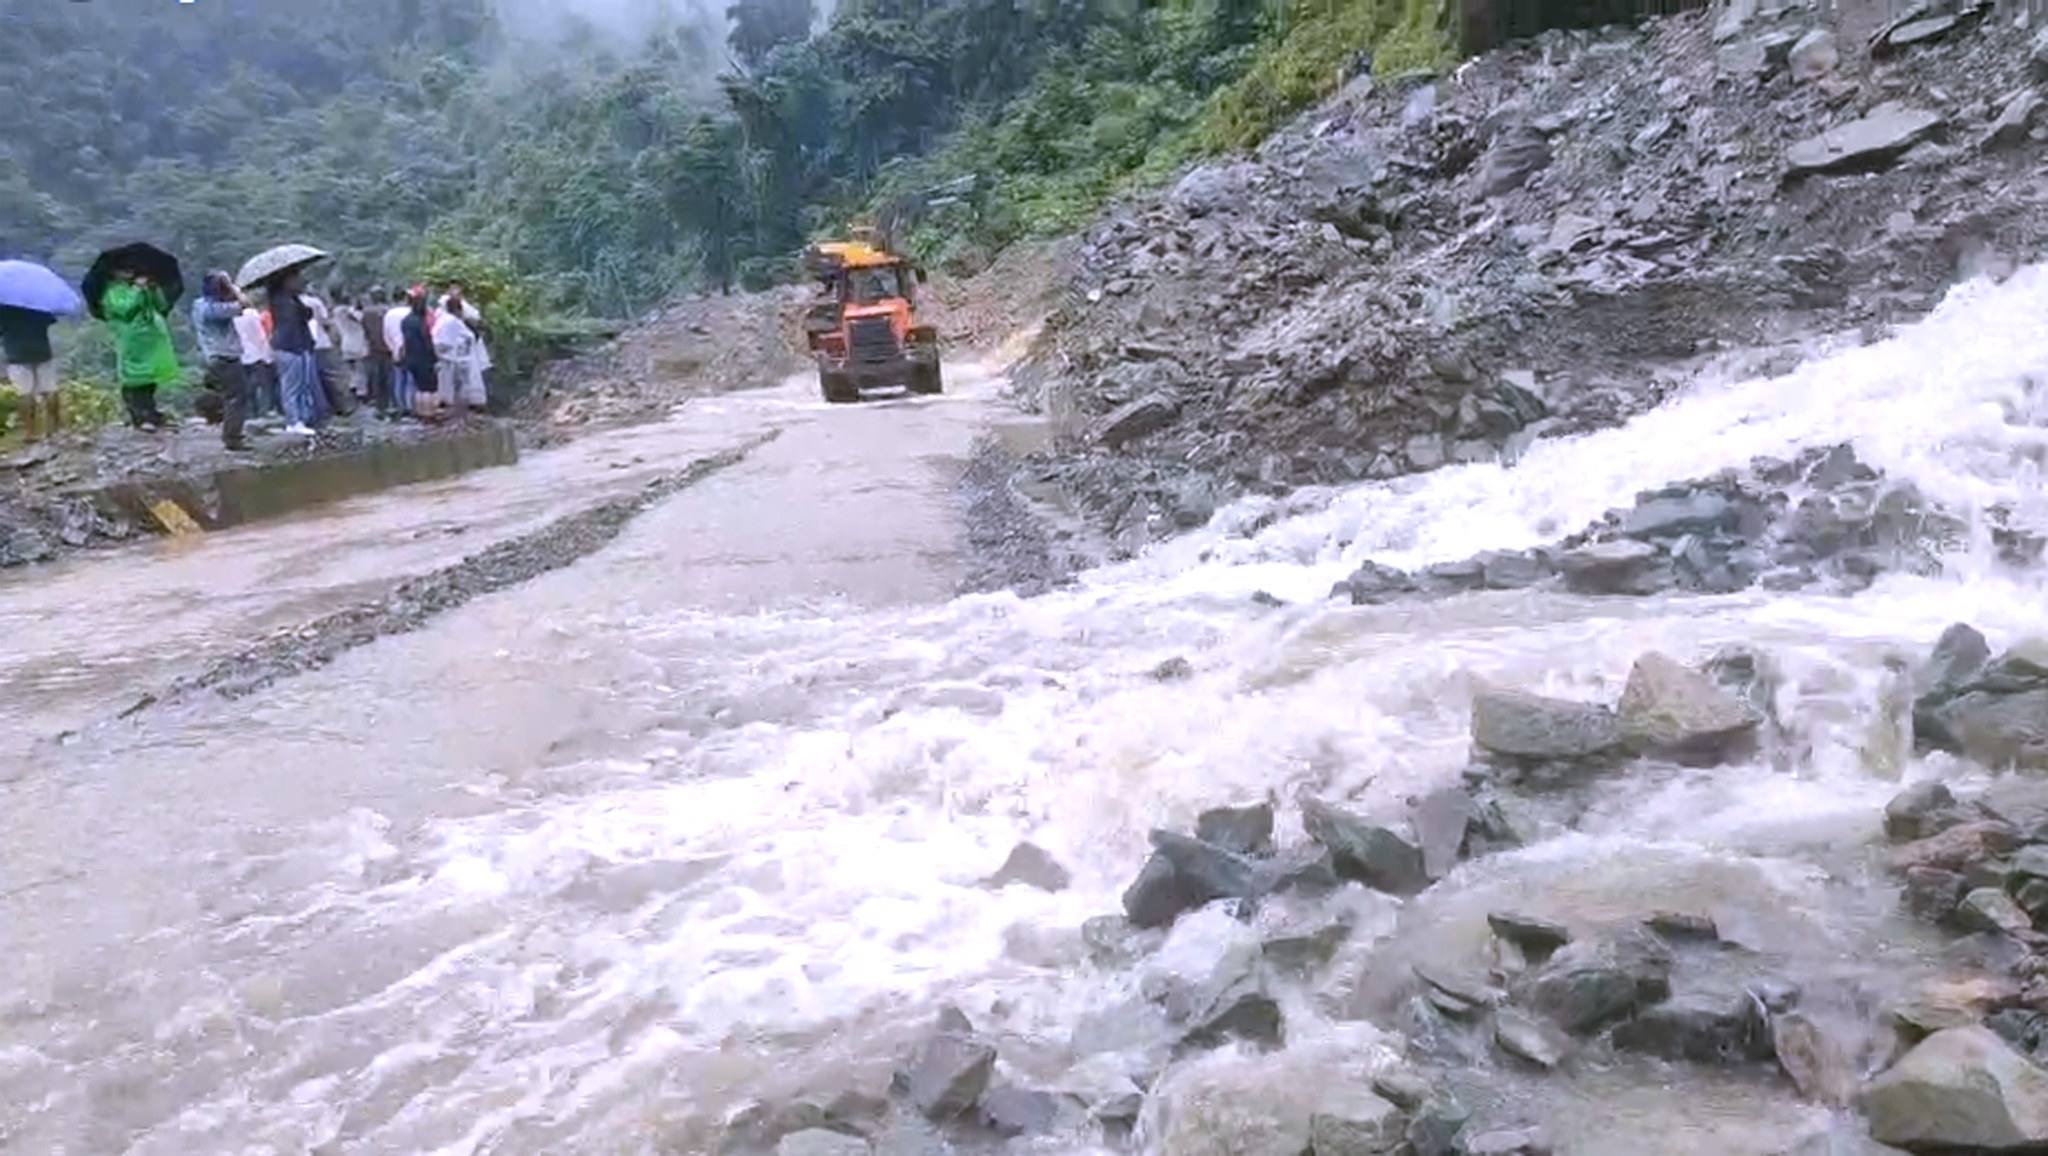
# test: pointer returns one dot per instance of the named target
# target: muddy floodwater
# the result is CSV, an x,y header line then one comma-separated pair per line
x,y
588,864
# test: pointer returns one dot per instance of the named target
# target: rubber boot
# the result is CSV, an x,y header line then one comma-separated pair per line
x,y
56,421
30,408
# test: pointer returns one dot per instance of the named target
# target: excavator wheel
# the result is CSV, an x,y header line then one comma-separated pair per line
x,y
838,388
925,377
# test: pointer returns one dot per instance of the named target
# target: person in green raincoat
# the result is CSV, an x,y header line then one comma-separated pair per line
x,y
137,313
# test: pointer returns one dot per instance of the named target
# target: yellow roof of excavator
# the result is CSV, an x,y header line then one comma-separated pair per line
x,y
858,254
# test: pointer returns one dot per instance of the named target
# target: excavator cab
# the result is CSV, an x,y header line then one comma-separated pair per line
x,y
862,328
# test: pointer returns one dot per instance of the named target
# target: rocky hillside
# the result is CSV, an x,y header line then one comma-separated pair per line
x,y
1439,270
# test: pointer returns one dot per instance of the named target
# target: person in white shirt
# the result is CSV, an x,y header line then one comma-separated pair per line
x,y
256,362
462,384
339,402
355,347
481,357
404,390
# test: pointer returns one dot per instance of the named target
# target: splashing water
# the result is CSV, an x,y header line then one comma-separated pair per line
x,y
754,871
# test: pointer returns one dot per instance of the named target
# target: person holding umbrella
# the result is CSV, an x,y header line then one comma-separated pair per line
x,y
134,307
31,299
280,271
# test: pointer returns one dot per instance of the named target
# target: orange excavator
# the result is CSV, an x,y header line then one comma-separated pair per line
x,y
862,328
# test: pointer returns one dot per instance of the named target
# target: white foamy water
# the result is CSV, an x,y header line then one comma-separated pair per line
x,y
702,856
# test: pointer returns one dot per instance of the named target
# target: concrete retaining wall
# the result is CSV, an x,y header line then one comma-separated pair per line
x,y
253,493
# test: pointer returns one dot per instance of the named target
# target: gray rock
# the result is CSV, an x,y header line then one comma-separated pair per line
x,y
1013,1111
25,547
821,1142
1933,893
1958,656
1815,55
1516,571
1032,866
1591,983
1531,1039
1436,1126
2037,57
1242,830
1354,1122
1363,852
1919,812
1999,717
1874,141
1245,1012
1519,1142
1128,423
1467,990
1819,1064
1441,820
1840,1143
950,1070
1157,896
1702,1029
1960,1088
1913,30
1299,946
1209,872
1207,190
1404,1088
1670,710
1991,910
1746,59
1309,870
1672,517
2029,862
1514,156
1373,583
1539,939
1624,568
1173,670
1733,16
1528,726
2015,119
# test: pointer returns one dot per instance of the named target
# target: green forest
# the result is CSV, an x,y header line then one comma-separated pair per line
x,y
594,168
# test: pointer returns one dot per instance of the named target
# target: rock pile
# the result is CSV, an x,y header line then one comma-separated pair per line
x,y
1433,272
1823,518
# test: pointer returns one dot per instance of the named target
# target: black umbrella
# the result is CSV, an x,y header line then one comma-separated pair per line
x,y
142,259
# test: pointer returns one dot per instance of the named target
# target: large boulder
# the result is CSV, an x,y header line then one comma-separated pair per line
x,y
1516,154
1814,55
1998,716
1964,1089
1869,142
950,1069
1593,982
1625,567
1532,727
1355,1122
1671,710
1244,830
1369,854
1185,873
1134,420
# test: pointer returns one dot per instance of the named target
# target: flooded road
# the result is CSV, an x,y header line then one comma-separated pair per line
x,y
591,864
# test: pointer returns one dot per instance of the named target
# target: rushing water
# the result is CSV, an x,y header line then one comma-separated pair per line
x,y
589,864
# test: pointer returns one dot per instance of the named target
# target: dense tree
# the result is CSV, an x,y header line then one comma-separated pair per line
x,y
605,169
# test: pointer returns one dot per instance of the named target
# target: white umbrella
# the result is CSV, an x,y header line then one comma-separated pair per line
x,y
270,262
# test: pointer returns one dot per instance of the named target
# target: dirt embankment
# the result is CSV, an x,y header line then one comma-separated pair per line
x,y
1546,240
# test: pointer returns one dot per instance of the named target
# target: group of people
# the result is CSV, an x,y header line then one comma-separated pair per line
x,y
297,354
407,357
